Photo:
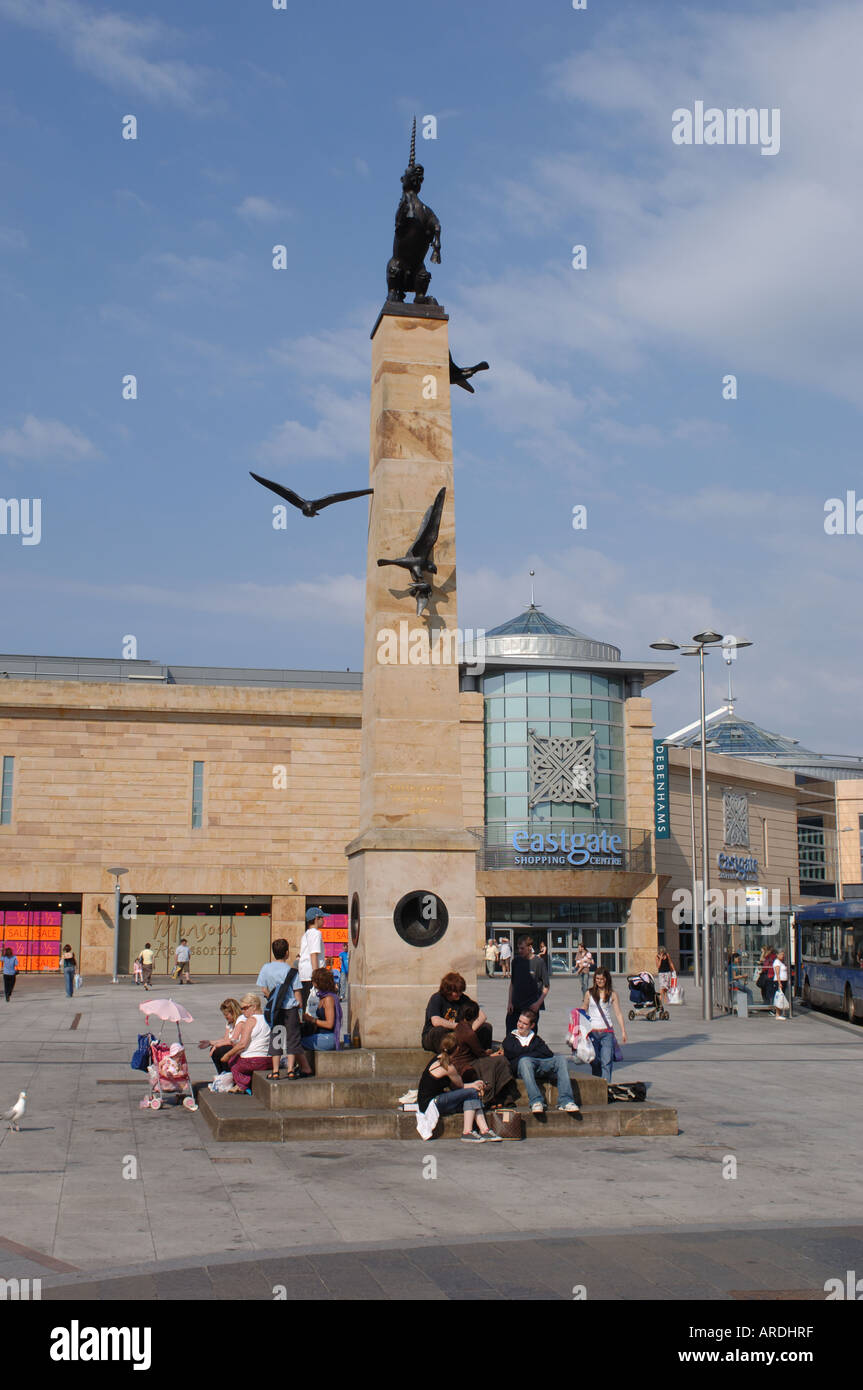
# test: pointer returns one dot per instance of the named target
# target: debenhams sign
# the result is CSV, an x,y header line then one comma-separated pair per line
x,y
559,849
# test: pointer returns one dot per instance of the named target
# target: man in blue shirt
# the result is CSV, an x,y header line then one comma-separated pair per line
x,y
343,977
286,1033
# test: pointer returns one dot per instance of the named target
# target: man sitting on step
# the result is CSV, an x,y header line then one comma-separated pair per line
x,y
532,1060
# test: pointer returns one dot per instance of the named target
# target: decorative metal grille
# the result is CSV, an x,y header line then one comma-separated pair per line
x,y
562,770
735,809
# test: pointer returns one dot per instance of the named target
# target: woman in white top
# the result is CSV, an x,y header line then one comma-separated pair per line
x,y
251,1044
780,980
599,1001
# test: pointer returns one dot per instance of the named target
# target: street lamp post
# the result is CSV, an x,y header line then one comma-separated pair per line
x,y
701,640
117,875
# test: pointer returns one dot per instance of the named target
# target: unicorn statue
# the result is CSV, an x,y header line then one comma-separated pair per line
x,y
417,229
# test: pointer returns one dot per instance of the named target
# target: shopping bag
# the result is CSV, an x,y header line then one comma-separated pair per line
x,y
79,980
779,1000
585,1051
676,995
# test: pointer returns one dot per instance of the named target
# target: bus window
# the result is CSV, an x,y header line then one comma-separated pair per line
x,y
810,940
858,945
846,941
825,951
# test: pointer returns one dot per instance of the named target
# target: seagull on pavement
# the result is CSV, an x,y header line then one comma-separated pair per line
x,y
16,1114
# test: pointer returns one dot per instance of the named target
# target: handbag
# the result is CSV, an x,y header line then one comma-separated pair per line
x,y
507,1123
618,1051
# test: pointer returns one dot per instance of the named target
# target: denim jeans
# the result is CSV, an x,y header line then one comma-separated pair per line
x,y
546,1069
452,1101
69,972
603,1063
320,1042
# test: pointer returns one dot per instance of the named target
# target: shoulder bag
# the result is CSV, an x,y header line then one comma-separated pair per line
x,y
618,1052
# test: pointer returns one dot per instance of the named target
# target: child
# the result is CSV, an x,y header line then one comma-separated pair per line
x,y
138,970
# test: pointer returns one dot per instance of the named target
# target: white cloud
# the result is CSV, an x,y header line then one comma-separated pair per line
x,y
197,275
115,49
261,210
335,598
38,441
341,432
343,354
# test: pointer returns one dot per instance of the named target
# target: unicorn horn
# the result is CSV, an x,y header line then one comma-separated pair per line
x,y
412,160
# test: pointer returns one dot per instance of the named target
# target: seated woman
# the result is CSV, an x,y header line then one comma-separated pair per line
x,y
230,1008
325,1022
441,1083
249,1051
476,1063
446,1008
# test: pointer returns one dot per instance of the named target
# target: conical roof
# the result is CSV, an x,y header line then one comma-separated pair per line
x,y
535,635
532,620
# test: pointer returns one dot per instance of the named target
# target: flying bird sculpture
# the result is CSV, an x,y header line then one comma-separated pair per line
x,y
309,508
419,558
459,375
16,1114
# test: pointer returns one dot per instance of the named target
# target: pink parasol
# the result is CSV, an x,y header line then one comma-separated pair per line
x,y
165,1009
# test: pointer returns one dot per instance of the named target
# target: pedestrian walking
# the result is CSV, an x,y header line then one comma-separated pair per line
x,y
148,955
70,970
10,972
137,971
182,957
780,985
505,955
583,966
664,971
599,1002
528,983
491,955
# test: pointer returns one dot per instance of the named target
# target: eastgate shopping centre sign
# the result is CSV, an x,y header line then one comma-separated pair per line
x,y
559,849
737,866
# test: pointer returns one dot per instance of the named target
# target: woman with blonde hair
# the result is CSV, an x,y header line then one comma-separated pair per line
x,y
250,1048
231,1011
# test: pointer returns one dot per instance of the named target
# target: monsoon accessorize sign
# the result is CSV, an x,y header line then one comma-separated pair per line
x,y
661,824
561,848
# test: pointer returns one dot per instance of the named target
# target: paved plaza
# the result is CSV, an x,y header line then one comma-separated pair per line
x,y
627,1218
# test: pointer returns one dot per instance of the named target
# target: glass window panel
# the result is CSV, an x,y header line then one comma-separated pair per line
x,y
495,732
495,808
516,732
519,910
515,682
540,911
494,757
516,783
559,682
603,783
598,685
615,689
560,708
560,728
560,940
197,795
608,960
581,709
6,791
600,709
516,808
541,729
605,808
588,936
492,685
616,736
581,729
580,682
541,812
603,759
516,755
515,708
537,707
607,938
537,682
495,783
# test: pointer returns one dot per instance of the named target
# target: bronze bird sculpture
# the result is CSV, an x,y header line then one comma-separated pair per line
x,y
419,558
309,508
459,375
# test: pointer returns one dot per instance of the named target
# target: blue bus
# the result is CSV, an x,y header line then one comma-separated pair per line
x,y
830,956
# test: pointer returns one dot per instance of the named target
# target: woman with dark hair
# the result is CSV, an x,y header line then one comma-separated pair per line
x,y
598,1004
70,969
10,972
476,1063
446,1009
325,1021
442,1083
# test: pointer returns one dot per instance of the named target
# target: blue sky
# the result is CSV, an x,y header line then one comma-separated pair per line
x,y
258,127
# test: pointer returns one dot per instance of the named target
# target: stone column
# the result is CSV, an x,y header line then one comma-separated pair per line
x,y
412,837
641,929
97,932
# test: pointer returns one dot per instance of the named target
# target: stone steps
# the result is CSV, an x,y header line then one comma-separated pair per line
x,y
383,1092
245,1119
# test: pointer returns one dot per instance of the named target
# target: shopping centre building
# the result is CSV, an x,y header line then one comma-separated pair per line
x,y
229,795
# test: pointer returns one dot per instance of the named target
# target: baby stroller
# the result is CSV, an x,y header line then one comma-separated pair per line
x,y
167,1067
643,997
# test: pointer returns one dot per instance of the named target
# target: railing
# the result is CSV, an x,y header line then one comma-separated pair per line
x,y
576,846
